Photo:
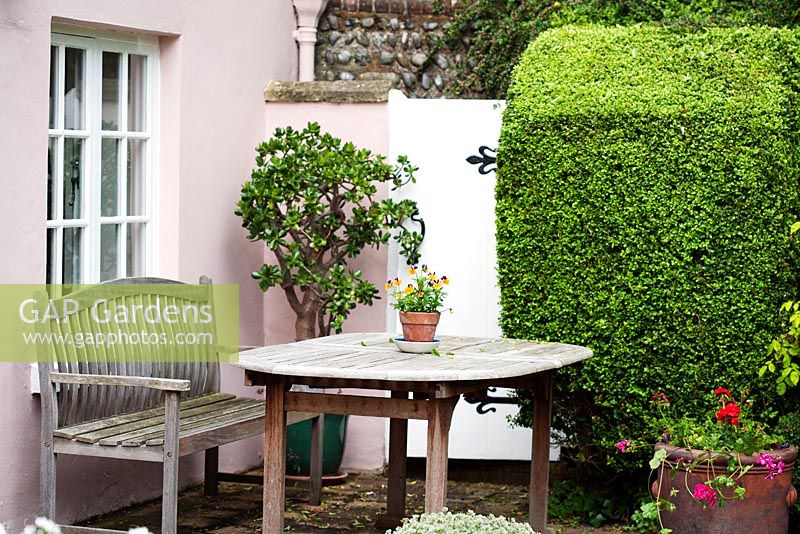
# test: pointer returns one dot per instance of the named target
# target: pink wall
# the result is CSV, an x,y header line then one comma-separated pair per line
x,y
215,59
366,125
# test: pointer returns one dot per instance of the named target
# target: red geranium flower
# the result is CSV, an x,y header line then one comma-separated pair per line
x,y
730,413
722,391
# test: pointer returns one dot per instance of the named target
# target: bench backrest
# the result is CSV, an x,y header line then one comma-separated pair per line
x,y
79,403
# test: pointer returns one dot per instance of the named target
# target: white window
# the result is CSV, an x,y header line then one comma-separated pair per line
x,y
101,157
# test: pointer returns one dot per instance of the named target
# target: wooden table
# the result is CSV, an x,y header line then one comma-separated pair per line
x,y
466,365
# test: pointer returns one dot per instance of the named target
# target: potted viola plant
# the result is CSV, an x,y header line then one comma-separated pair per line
x,y
721,474
419,302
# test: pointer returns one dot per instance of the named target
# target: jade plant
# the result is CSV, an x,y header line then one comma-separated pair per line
x,y
316,202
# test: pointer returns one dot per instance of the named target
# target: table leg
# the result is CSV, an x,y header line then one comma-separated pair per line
x,y
398,439
440,412
274,457
540,449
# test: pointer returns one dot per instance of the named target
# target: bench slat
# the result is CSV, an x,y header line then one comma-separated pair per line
x,y
70,432
137,438
202,426
158,420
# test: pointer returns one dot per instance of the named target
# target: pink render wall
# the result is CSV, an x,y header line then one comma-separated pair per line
x,y
215,60
366,125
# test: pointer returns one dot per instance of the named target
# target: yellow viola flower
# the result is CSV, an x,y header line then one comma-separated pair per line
x,y
396,282
409,289
437,284
412,270
421,294
424,268
398,295
388,285
445,280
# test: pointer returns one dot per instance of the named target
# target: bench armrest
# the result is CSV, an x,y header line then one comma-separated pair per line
x,y
166,384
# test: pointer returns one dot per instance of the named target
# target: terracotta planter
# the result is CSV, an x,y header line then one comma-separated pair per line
x,y
419,326
765,508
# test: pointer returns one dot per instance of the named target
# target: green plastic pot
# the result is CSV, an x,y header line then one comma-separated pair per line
x,y
298,446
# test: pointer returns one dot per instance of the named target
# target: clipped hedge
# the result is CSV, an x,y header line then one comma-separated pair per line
x,y
494,33
647,181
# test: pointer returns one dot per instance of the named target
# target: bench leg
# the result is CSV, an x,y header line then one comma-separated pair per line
x,y
211,473
169,505
47,480
47,455
317,442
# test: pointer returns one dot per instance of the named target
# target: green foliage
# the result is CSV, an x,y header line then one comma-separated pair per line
x,y
496,32
460,523
583,505
313,200
646,181
648,517
785,349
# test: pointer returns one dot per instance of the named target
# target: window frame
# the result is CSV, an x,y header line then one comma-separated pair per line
x,y
94,44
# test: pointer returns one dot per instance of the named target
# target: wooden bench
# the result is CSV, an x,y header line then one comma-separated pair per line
x,y
112,402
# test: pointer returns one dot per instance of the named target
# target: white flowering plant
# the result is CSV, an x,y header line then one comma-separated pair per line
x,y
42,525
461,523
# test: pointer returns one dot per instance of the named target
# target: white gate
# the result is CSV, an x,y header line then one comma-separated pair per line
x,y
456,203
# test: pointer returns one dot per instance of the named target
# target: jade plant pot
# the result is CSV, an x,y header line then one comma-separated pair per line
x,y
298,446
764,509
419,326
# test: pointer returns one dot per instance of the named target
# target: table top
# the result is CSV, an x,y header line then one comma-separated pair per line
x,y
373,356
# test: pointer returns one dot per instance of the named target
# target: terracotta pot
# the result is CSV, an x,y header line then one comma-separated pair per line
x,y
419,326
765,508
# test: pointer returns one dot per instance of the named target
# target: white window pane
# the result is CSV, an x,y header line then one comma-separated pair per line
x,y
52,177
73,172
74,101
73,255
136,176
137,74
109,251
50,276
136,249
109,161
53,85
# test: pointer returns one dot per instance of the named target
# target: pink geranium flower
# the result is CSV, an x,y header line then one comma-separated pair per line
x,y
702,492
774,467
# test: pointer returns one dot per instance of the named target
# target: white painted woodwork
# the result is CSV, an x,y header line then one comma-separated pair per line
x,y
457,204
